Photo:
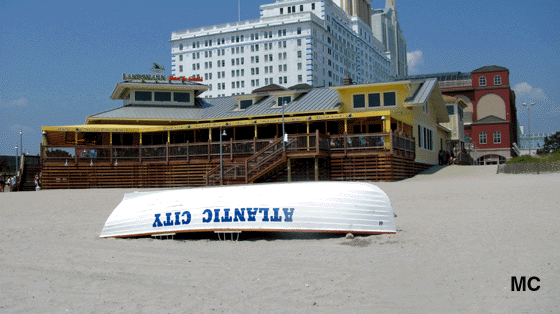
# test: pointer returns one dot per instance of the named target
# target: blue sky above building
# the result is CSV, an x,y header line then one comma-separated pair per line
x,y
60,60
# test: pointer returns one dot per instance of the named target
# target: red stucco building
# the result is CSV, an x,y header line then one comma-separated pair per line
x,y
490,118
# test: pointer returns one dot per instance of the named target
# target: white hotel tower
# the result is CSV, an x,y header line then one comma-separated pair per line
x,y
294,42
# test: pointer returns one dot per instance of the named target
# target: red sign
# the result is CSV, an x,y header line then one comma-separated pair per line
x,y
182,78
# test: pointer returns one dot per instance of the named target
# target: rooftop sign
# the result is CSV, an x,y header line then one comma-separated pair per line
x,y
159,77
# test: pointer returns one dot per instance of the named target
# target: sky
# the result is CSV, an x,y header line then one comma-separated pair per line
x,y
60,60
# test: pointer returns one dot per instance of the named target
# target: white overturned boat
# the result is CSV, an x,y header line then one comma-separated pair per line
x,y
355,207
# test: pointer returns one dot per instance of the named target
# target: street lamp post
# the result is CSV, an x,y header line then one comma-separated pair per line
x,y
283,128
529,122
221,156
16,159
21,141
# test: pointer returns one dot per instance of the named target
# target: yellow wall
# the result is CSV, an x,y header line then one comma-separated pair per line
x,y
429,121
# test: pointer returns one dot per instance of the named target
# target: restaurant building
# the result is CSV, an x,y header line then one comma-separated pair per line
x,y
166,135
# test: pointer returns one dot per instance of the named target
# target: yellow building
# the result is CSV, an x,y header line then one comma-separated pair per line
x,y
166,135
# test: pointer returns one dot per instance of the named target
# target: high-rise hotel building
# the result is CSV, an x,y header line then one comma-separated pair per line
x,y
294,42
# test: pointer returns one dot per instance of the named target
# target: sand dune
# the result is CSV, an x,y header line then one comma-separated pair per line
x,y
462,233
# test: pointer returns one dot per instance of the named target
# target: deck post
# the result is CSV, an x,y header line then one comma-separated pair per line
x,y
316,168
345,143
167,153
289,164
231,147
391,142
187,150
317,141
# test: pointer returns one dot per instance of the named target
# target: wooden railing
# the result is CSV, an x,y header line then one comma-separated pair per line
x,y
263,160
252,150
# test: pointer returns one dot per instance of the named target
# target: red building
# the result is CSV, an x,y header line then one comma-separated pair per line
x,y
490,118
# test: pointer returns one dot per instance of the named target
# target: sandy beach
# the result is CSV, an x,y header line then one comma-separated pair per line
x,y
463,232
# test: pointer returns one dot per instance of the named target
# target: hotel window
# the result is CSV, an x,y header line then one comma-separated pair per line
x,y
301,8
289,10
313,6
181,97
497,80
299,42
232,84
180,46
257,82
143,96
180,68
281,12
299,54
180,57
299,66
389,99
359,101
285,68
300,78
374,100
497,137
482,138
482,81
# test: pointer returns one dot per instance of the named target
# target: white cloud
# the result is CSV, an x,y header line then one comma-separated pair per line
x,y
21,102
414,59
527,92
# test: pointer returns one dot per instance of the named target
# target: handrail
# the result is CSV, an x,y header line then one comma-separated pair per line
x,y
253,149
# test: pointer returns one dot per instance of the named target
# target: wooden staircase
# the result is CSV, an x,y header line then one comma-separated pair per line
x,y
268,160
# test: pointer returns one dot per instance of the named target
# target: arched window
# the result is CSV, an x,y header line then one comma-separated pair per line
x,y
497,80
482,81
482,138
497,137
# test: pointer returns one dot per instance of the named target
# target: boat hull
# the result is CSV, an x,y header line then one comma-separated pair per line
x,y
283,207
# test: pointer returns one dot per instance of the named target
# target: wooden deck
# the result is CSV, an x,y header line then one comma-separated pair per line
x,y
314,156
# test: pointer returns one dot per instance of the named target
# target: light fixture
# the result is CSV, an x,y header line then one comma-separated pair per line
x,y
66,163
383,118
91,163
116,162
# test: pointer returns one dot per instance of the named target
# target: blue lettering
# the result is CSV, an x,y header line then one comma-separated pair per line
x,y
226,217
265,215
251,212
157,222
216,215
288,213
169,222
239,215
209,217
186,222
177,221
275,218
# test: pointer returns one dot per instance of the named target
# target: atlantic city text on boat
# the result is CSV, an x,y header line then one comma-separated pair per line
x,y
238,214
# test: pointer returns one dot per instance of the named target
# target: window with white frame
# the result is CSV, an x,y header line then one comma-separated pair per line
x,y
482,138
497,80
425,138
482,81
497,137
